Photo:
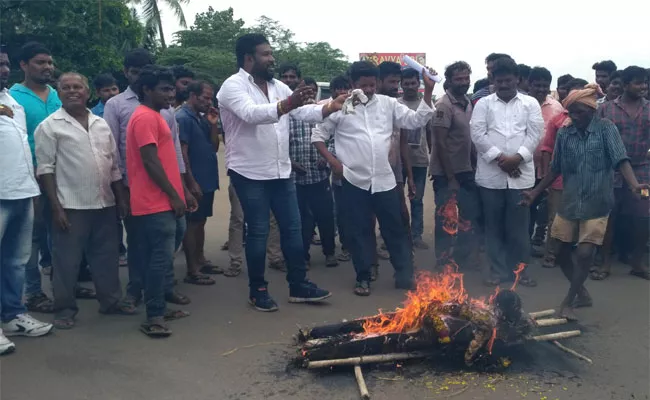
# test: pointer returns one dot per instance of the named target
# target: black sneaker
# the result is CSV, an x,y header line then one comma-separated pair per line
x,y
307,292
262,301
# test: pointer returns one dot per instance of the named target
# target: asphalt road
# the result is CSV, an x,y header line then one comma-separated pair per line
x,y
225,350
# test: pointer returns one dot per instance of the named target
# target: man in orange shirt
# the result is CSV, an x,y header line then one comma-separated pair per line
x,y
157,197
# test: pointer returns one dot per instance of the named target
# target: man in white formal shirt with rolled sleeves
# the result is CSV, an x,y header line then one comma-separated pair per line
x,y
506,127
254,109
362,142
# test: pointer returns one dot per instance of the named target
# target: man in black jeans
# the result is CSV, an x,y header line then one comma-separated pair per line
x,y
363,141
312,177
451,162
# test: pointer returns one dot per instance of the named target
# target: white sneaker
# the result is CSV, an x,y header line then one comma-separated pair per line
x,y
6,345
25,325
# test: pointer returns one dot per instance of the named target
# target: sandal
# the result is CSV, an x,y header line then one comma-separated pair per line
x,y
171,315
40,303
198,279
210,269
177,298
85,293
362,288
641,273
155,328
129,302
548,262
121,308
63,323
597,274
232,271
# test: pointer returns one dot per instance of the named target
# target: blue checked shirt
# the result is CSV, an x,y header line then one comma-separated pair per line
x,y
303,152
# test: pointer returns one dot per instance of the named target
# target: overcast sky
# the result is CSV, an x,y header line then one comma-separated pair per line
x,y
565,36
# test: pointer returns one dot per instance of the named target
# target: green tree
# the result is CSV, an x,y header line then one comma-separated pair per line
x,y
153,18
82,36
209,44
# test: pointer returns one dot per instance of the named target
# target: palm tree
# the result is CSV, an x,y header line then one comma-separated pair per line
x,y
152,16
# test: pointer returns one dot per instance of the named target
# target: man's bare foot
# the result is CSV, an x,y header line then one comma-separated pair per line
x,y
567,312
583,299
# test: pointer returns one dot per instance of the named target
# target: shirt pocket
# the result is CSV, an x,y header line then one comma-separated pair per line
x,y
596,158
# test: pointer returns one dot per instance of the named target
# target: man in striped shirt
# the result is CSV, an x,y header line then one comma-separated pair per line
x,y
587,151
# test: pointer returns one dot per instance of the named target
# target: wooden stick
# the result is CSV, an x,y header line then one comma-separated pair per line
x,y
363,389
572,352
381,358
551,321
556,336
541,314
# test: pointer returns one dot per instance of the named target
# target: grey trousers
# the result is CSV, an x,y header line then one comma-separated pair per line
x,y
506,231
93,233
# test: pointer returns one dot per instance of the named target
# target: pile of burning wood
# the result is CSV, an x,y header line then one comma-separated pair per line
x,y
438,320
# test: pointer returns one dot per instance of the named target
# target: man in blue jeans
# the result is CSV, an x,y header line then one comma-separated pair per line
x,y
18,188
39,100
157,195
418,146
254,109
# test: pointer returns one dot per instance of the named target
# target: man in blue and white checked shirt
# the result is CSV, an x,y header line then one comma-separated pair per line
x,y
311,174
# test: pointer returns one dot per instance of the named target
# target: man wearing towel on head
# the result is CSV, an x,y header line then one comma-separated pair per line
x,y
587,151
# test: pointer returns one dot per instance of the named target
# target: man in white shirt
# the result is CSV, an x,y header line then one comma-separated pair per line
x,y
506,127
363,141
255,111
78,166
18,188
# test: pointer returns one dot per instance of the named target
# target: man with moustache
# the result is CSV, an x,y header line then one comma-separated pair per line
x,y
489,65
603,72
199,135
631,115
451,161
39,100
184,76
363,142
562,89
418,142
78,168
506,128
254,111
615,88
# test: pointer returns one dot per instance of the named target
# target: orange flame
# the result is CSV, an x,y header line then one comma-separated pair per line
x,y
452,222
432,289
520,268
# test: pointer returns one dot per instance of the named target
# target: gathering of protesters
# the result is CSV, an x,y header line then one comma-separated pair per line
x,y
129,180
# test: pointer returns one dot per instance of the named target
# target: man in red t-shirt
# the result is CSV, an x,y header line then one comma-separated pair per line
x,y
157,198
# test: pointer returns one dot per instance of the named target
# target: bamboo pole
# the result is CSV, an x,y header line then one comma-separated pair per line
x,y
363,389
551,321
381,358
572,352
555,336
541,314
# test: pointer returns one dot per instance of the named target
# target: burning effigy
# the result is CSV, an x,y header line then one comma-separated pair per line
x,y
438,320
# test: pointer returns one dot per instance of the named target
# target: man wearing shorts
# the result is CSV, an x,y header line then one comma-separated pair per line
x,y
199,134
587,151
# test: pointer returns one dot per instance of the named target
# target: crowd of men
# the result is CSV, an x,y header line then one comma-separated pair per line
x,y
532,174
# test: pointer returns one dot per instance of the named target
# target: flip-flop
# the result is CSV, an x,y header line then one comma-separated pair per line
x,y
232,271
177,298
155,330
528,282
644,273
362,289
63,323
200,280
598,274
210,269
172,315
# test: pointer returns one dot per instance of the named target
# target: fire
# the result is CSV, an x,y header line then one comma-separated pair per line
x,y
518,271
452,222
